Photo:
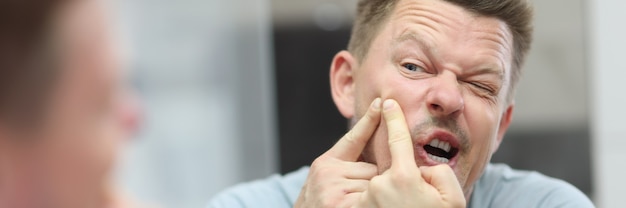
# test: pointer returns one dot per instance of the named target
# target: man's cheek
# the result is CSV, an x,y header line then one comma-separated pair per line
x,y
407,93
482,124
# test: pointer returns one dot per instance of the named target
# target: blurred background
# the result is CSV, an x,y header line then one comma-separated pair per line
x,y
238,90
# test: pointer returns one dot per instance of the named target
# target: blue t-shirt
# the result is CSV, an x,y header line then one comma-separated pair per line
x,y
499,186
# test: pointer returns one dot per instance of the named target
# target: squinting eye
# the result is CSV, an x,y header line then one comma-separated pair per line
x,y
412,67
482,87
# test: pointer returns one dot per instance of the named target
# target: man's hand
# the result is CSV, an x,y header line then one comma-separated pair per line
x,y
335,178
404,184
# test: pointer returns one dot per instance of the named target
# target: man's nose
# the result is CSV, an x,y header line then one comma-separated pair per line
x,y
444,99
131,113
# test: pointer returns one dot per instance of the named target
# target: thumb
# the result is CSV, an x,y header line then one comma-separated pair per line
x,y
443,179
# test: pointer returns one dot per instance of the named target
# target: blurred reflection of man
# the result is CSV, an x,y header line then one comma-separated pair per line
x,y
428,86
63,110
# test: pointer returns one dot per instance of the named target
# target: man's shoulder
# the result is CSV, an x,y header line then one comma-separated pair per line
x,y
502,186
274,191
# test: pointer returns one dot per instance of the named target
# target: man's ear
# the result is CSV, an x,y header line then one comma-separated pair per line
x,y
505,122
342,82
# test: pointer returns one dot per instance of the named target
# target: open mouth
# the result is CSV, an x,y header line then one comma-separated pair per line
x,y
440,151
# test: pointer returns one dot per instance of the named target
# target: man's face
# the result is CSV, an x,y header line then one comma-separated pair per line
x,y
449,70
87,114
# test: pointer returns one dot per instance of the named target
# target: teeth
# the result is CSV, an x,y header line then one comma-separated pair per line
x,y
434,143
440,144
438,159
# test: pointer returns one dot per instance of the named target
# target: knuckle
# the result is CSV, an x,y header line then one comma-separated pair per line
x,y
318,162
350,137
375,185
400,176
320,167
327,171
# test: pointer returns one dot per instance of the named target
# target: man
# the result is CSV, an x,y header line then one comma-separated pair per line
x,y
431,84
63,110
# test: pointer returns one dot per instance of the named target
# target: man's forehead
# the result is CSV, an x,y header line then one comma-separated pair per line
x,y
429,22
439,10
439,16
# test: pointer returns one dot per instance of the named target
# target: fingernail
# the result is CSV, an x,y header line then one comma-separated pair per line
x,y
376,104
388,104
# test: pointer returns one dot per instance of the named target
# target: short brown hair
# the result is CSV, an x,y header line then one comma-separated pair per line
x,y
26,58
517,14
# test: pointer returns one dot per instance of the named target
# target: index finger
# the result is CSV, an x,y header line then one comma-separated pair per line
x,y
350,146
400,143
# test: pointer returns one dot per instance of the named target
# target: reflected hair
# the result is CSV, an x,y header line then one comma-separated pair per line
x,y
27,60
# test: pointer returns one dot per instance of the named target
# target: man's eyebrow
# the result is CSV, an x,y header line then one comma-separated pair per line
x,y
411,36
495,70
